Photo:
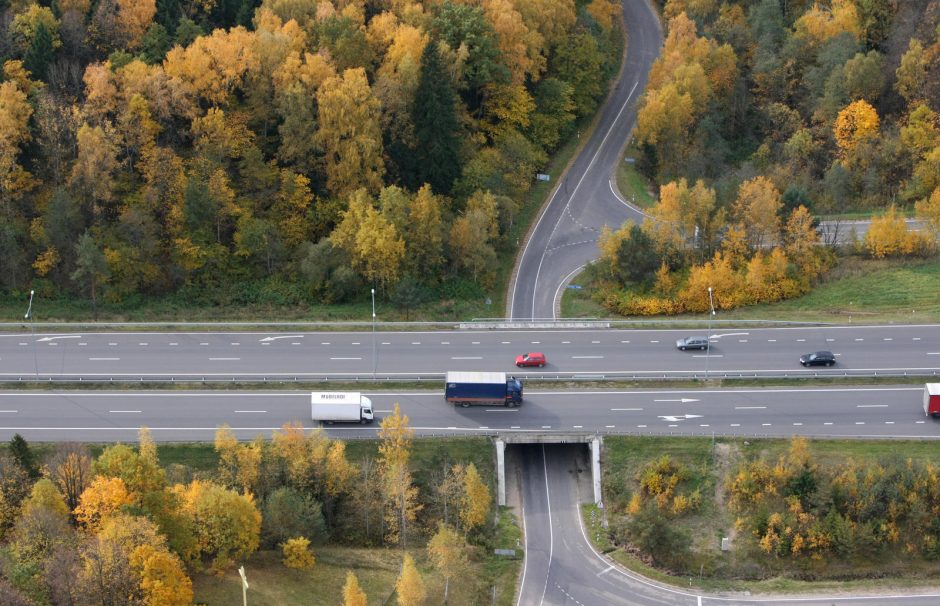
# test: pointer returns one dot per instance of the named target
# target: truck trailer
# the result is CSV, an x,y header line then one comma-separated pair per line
x,y
340,406
932,399
490,388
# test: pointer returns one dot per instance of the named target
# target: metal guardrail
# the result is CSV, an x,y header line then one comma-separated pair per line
x,y
439,377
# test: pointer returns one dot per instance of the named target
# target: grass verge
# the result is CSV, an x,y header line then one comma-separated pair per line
x,y
857,290
632,185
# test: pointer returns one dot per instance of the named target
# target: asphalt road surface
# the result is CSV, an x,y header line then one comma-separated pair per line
x,y
872,412
565,236
892,348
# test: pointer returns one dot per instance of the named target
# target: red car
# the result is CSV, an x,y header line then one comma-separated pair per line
x,y
531,359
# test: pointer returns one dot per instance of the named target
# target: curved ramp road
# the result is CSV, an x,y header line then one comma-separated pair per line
x,y
565,235
256,356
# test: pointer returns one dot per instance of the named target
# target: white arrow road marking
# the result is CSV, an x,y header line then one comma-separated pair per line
x,y
683,400
269,339
730,334
674,418
59,337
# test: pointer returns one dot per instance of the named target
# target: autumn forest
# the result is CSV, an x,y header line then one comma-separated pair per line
x,y
224,150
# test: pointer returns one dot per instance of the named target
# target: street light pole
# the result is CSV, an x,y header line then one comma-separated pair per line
x,y
708,337
375,361
32,331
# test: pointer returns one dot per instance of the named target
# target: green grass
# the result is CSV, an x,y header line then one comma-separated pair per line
x,y
632,185
857,290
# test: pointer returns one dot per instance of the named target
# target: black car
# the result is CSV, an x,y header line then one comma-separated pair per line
x,y
818,358
692,343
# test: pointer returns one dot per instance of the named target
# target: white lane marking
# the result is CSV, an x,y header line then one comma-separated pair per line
x,y
765,424
82,344
416,342
223,359
506,342
771,340
474,342
442,343
255,411
708,355
203,343
742,340
915,338
291,343
345,358
920,422
325,343
128,411
357,343
933,353
859,339
24,343
871,405
546,426
611,426
587,357
625,409
566,342
234,343
683,400
830,340
748,407
174,344
467,358
888,339
514,427
735,425
625,341
640,426
889,422
383,343
112,344
800,340
595,342
144,344
673,426
499,410
577,426
860,422
828,423
654,341
797,424
7,411
104,359
536,342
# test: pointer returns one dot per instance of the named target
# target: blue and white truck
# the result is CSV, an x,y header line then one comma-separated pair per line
x,y
489,388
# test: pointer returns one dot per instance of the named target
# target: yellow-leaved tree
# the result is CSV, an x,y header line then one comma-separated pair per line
x,y
476,501
103,497
856,122
297,554
928,211
410,586
890,236
757,208
448,552
353,595
401,496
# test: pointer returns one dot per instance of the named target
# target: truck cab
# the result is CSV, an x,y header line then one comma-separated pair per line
x,y
514,391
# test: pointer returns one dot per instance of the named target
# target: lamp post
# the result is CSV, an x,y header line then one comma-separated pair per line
x,y
32,331
708,337
375,361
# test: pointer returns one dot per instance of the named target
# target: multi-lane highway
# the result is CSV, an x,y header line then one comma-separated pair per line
x,y
892,348
565,236
875,412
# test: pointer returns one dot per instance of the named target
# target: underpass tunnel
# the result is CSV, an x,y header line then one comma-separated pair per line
x,y
527,464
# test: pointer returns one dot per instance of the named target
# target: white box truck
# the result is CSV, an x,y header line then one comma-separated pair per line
x,y
340,407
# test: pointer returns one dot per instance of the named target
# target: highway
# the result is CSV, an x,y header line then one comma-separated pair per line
x,y
313,356
871,412
564,237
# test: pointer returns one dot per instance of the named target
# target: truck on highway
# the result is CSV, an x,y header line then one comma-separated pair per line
x,y
340,406
492,388
932,399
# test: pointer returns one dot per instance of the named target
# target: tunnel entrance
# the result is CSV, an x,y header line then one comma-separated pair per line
x,y
515,451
